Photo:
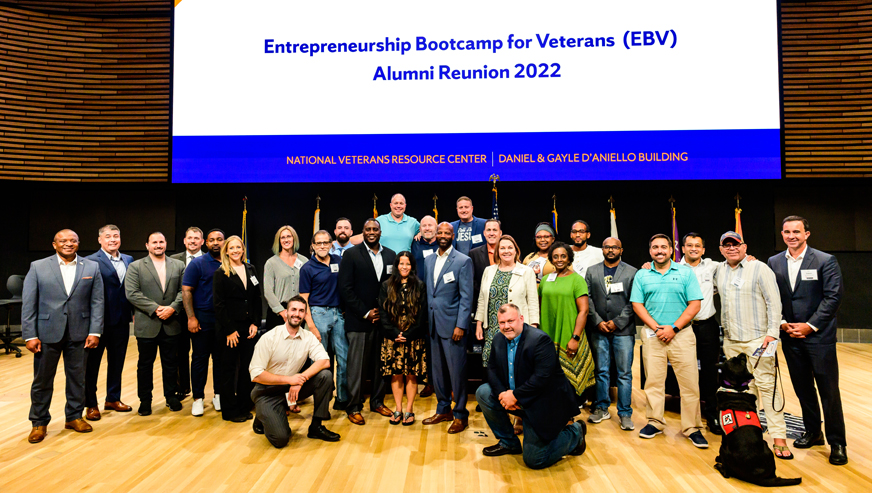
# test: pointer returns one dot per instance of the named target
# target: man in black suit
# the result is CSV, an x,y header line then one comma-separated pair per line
x,y
810,283
362,270
525,379
116,329
483,256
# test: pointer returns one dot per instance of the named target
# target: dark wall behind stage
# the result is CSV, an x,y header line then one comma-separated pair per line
x,y
839,211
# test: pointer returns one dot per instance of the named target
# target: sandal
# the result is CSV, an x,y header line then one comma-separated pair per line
x,y
779,449
396,417
406,421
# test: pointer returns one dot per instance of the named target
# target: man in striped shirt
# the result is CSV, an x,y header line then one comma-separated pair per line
x,y
751,317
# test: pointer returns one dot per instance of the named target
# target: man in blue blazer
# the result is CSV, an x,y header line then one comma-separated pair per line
x,y
468,230
810,283
449,300
524,379
116,325
61,314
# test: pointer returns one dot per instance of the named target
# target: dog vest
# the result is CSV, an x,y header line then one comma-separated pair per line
x,y
730,420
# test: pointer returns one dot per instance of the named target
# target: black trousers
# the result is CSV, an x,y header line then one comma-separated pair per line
x,y
45,366
183,351
364,359
272,405
114,342
708,351
234,382
816,363
148,348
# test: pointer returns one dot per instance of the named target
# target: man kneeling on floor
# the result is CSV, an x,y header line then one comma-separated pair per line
x,y
525,379
275,370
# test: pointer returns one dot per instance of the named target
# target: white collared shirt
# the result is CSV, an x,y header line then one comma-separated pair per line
x,y
705,272
440,262
189,257
68,272
280,354
793,265
591,255
377,262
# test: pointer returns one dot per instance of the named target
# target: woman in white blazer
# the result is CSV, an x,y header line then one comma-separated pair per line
x,y
507,281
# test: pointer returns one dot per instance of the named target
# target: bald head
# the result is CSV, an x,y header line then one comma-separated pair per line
x,y
66,244
444,236
428,228
398,206
612,251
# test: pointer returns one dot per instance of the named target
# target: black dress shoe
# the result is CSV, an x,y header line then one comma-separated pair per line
x,y
257,426
322,433
809,440
180,395
838,455
498,450
145,408
582,443
238,419
174,404
339,405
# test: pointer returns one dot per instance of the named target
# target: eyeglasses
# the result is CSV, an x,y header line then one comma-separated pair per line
x,y
615,248
543,237
321,243
578,231
732,246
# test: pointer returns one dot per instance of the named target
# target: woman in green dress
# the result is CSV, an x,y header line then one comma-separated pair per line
x,y
563,310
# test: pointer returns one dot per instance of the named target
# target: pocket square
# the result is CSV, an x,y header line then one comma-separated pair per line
x,y
87,277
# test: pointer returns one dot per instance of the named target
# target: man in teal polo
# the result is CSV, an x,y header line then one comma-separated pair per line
x,y
666,297
397,228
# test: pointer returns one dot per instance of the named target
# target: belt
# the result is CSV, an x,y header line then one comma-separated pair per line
x,y
696,322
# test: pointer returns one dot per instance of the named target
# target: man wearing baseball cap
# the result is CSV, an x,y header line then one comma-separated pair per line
x,y
751,318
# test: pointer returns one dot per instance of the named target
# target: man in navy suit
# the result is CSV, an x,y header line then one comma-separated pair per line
x,y
810,283
449,298
61,314
524,379
116,330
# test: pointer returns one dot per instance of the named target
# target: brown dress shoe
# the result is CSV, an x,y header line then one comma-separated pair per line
x,y
79,425
427,391
437,418
356,418
37,434
117,406
458,425
384,411
92,414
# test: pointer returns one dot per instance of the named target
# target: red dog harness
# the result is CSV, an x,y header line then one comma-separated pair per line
x,y
730,420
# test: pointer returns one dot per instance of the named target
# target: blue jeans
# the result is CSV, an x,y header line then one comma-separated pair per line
x,y
603,345
331,325
538,454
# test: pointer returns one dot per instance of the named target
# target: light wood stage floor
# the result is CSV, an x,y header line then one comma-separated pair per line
x,y
176,452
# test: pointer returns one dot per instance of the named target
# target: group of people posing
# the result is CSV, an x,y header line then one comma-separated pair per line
x,y
402,303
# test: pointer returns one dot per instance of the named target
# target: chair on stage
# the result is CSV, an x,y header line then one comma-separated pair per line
x,y
15,285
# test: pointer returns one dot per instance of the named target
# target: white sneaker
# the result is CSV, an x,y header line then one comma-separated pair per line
x,y
197,407
216,402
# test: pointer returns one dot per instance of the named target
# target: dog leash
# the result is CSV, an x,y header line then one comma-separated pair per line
x,y
777,379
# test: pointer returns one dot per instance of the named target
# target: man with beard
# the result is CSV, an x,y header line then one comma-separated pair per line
x,y
449,301
319,286
584,255
483,256
154,287
468,229
613,330
361,272
422,248
343,234
197,298
275,370
193,248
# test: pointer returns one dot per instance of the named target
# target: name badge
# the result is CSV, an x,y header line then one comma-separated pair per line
x,y
738,282
449,277
253,281
298,263
650,333
334,268
707,277
476,238
616,287
808,275
427,253
389,269
551,277
771,349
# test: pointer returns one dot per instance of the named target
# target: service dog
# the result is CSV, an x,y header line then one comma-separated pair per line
x,y
744,454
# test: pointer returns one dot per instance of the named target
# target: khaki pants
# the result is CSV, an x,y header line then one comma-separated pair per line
x,y
681,352
763,384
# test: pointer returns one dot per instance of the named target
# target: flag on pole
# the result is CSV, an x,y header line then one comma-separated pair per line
x,y
245,226
554,214
495,214
739,218
435,209
374,210
676,250
613,219
317,226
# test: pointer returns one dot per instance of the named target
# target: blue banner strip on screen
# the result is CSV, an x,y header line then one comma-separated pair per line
x,y
619,155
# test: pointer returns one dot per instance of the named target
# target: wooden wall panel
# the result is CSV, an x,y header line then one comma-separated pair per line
x,y
84,89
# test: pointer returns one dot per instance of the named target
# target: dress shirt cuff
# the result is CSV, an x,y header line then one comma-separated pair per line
x,y
813,327
367,315
774,332
783,322
255,372
32,338
97,335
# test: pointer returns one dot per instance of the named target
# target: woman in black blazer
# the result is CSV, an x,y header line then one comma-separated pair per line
x,y
237,297
402,302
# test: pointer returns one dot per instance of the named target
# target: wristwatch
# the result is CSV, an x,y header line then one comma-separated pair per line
x,y
576,338
675,328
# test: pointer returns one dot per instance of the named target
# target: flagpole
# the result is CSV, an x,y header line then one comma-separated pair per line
x,y
374,210
554,213
739,217
435,209
317,224
612,218
245,226
676,255
495,212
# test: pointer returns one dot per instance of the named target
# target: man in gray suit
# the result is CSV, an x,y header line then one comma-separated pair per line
x,y
61,314
613,330
154,288
449,297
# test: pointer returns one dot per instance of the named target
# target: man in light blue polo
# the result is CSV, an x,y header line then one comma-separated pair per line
x,y
398,229
666,297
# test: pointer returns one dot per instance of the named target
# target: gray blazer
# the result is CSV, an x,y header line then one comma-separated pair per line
x,y
449,304
142,286
606,306
46,310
